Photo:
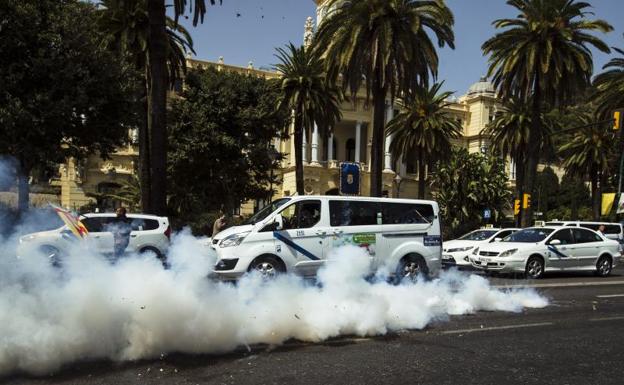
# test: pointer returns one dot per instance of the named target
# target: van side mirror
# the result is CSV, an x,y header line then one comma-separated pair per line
x,y
279,222
555,242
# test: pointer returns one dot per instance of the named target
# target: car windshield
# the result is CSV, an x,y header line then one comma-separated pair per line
x,y
478,235
532,235
260,215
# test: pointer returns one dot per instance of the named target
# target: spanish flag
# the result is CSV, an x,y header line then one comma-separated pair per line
x,y
72,222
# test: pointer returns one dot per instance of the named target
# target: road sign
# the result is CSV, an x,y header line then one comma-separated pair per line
x,y
487,214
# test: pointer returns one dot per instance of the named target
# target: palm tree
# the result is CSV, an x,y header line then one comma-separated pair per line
x,y
126,24
383,45
425,127
588,153
543,55
305,90
609,85
509,133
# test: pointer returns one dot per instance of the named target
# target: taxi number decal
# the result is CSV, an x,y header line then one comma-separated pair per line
x,y
300,233
432,240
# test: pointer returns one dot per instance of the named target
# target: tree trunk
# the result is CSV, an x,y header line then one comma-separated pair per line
x,y
533,150
520,167
595,193
23,188
377,146
157,102
299,154
144,153
421,173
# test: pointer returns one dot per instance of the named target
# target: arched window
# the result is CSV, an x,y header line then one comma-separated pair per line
x,y
350,150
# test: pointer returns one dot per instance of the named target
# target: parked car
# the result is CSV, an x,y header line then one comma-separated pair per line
x,y
457,252
297,235
538,250
613,231
149,234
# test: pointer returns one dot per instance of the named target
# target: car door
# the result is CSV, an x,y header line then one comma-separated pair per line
x,y
561,256
303,236
587,247
99,236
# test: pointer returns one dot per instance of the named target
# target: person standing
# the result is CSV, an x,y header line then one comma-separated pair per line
x,y
219,225
121,229
601,230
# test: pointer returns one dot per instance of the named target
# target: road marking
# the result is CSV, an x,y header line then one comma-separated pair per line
x,y
461,331
566,284
610,296
606,319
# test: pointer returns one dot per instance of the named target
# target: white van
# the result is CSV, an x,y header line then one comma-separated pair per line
x,y
296,235
612,230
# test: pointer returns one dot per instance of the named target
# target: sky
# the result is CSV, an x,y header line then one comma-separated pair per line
x,y
249,30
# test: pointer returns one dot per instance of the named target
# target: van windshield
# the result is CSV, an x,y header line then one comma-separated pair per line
x,y
262,214
531,235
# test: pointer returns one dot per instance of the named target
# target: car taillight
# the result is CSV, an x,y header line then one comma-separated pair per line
x,y
168,232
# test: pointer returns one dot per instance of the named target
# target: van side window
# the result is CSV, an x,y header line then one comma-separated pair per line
x,y
406,213
353,213
301,215
613,229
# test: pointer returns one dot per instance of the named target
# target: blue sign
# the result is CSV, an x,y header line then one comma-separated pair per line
x,y
487,214
349,178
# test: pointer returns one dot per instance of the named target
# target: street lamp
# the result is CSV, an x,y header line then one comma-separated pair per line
x,y
273,156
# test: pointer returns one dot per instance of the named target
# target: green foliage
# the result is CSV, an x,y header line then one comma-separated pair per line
x,y
466,185
61,93
220,151
385,46
609,86
303,87
425,127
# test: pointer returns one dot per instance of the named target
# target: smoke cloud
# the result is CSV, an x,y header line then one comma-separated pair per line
x,y
135,309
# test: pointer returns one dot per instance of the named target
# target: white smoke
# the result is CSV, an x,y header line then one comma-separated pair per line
x,y
135,309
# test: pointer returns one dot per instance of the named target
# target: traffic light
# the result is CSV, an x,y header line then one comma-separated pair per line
x,y
526,201
617,120
517,207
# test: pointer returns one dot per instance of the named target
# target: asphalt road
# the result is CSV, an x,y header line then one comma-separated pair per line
x,y
578,339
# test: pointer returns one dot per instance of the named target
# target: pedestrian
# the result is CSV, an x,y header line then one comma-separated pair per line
x,y
601,229
219,224
121,229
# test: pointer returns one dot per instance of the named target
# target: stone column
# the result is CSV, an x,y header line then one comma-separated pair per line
x,y
304,152
388,155
358,141
315,145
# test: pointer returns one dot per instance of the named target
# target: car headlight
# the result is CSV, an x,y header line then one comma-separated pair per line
x,y
507,253
475,251
460,249
233,240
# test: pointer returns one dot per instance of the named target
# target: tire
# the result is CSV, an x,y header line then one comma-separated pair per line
x,y
534,268
157,252
52,253
604,266
268,267
409,268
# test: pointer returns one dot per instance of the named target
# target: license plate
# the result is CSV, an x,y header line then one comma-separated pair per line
x,y
486,260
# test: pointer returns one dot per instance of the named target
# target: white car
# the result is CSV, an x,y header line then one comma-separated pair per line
x,y
457,251
149,234
537,250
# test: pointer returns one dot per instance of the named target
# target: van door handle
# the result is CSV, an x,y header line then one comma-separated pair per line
x,y
338,231
321,232
133,235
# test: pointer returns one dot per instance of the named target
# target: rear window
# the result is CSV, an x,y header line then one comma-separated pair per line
x,y
362,213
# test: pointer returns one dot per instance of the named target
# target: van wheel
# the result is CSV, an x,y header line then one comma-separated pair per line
x,y
534,268
604,266
409,268
52,254
267,267
156,252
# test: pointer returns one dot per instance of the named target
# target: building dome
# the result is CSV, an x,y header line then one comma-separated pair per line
x,y
482,87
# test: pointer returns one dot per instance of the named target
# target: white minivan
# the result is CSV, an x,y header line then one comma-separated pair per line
x,y
296,235
613,231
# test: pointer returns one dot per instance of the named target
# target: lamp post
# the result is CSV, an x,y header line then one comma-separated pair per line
x,y
273,155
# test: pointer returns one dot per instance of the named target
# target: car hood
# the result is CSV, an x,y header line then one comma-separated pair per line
x,y
456,243
499,247
41,235
233,230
